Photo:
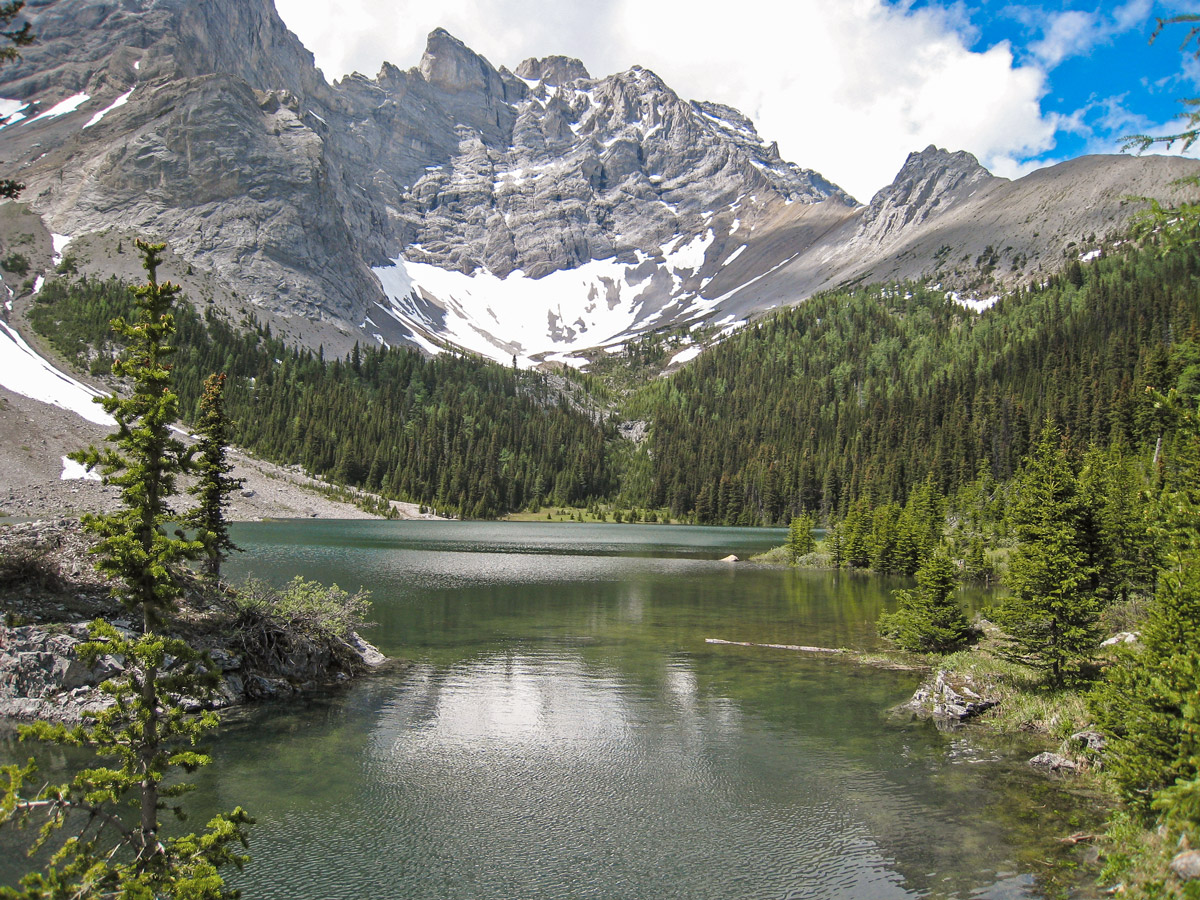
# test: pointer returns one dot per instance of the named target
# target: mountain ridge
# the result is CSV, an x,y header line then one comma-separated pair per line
x,y
431,205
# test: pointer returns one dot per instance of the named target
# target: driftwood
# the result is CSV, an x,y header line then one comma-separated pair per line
x,y
874,661
776,646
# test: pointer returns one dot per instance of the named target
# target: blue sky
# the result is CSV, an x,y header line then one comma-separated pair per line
x,y
1105,79
847,87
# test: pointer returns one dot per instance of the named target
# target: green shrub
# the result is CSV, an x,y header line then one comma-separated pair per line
x,y
308,606
17,263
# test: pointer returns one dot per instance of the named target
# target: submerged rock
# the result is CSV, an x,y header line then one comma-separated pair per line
x,y
1053,762
949,697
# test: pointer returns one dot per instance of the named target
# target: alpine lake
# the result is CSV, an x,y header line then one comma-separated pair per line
x,y
558,728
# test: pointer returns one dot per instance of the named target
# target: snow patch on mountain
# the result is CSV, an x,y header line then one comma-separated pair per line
x,y
549,318
978,304
62,108
73,471
23,372
119,102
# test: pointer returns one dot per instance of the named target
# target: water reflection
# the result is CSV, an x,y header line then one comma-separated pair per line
x,y
563,731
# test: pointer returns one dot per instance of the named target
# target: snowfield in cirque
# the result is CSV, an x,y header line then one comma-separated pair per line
x,y
550,318
23,372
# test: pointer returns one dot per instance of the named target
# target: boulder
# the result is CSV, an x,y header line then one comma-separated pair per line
x,y
1121,637
41,674
368,653
1053,762
1089,740
949,697
1186,866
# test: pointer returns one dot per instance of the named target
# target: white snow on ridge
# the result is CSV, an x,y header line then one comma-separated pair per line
x,y
23,372
62,108
561,313
686,355
735,254
120,101
1090,255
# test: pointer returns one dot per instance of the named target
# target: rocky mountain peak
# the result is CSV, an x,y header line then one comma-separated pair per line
x,y
553,70
452,66
930,179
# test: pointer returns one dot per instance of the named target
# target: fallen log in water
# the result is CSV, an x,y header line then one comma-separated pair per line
x,y
875,660
776,646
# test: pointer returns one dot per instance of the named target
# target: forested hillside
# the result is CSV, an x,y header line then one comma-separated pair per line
x,y
459,434
868,392
857,394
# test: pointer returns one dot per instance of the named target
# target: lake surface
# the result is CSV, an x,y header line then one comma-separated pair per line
x,y
563,730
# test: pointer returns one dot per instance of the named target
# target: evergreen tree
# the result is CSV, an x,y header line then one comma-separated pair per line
x,y
929,620
1148,703
800,538
214,484
1051,616
147,734
135,548
146,730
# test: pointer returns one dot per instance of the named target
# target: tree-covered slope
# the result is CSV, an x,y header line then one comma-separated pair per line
x,y
457,433
868,392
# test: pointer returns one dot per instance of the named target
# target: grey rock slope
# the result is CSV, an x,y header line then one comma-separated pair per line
x,y
533,213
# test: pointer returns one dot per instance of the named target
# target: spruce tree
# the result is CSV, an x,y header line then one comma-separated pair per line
x,y
929,619
800,539
1051,616
1148,704
214,485
146,731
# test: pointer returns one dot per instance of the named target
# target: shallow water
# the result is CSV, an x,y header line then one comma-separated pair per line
x,y
564,731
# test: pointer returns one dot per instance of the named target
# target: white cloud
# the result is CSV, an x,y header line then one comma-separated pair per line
x,y
1070,33
848,88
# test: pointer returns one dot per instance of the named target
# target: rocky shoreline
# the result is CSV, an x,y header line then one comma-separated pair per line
x,y
51,591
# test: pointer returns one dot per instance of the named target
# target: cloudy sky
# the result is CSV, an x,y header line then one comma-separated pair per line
x,y
847,87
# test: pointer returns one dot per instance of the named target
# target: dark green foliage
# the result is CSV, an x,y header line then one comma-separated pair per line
x,y
928,619
147,735
868,393
1118,525
976,566
114,847
800,538
17,263
1051,618
455,433
145,459
213,485
1149,704
891,538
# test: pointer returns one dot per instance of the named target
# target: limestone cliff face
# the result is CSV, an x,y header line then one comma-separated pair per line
x,y
445,202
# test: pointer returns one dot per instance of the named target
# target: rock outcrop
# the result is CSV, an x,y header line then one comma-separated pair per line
x,y
42,677
1054,762
949,697
1186,865
52,590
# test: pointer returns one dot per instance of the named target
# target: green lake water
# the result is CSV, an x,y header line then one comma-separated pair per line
x,y
562,730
